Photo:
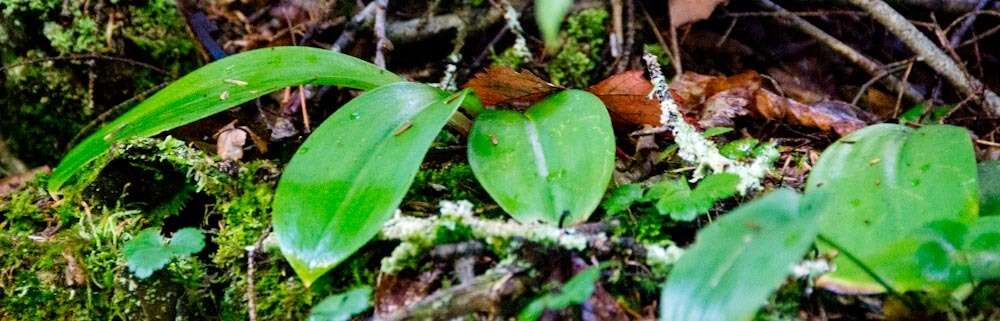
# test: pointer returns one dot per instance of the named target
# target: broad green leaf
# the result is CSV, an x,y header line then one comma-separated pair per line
x,y
549,15
187,241
148,252
622,198
942,257
577,290
883,184
145,253
350,174
989,188
736,262
550,163
341,307
221,85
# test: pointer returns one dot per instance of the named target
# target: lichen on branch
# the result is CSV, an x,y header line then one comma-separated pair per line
x,y
693,147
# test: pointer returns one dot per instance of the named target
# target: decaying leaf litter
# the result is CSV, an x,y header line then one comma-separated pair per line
x,y
750,77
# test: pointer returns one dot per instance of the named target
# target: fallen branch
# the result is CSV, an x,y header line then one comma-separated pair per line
x,y
382,44
870,66
929,53
481,294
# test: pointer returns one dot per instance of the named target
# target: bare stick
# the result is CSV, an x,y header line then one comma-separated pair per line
x,y
383,44
359,19
967,23
870,66
929,53
251,263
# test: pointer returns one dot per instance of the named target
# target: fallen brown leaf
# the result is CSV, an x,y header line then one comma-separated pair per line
x,y
686,11
838,116
690,88
720,109
500,85
626,95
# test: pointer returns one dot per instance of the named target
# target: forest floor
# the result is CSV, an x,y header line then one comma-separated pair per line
x,y
798,74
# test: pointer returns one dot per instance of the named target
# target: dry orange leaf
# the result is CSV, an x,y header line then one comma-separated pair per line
x,y
626,97
501,85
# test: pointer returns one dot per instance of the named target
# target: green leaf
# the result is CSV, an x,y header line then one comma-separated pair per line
x,y
221,85
622,198
684,204
551,162
577,290
989,188
341,307
145,253
350,174
716,131
941,257
148,252
187,241
740,148
549,15
983,248
883,184
675,199
738,261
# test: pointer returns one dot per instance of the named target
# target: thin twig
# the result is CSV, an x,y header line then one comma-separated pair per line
x,y
87,57
899,97
357,21
967,21
870,66
659,36
929,53
382,44
251,266
870,82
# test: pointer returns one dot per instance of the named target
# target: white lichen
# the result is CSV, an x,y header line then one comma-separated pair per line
x,y
447,81
693,147
520,48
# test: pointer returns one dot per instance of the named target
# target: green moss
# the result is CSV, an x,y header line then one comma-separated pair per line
x,y
580,53
45,103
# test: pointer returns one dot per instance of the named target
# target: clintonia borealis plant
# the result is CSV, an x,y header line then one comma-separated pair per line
x,y
551,163
915,224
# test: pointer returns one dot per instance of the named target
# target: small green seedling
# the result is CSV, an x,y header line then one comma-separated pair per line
x,y
148,251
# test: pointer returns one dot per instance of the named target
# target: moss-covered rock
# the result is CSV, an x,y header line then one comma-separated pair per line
x,y
580,53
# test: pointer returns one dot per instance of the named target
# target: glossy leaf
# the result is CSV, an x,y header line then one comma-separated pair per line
x,y
551,163
341,307
221,85
353,171
575,291
549,15
736,262
883,185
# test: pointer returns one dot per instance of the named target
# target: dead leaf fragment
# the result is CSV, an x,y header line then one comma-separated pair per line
x,y
230,141
396,292
686,11
626,95
500,85
838,116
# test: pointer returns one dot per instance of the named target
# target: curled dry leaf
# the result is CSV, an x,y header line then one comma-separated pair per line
x,y
500,85
720,99
626,95
229,142
838,116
